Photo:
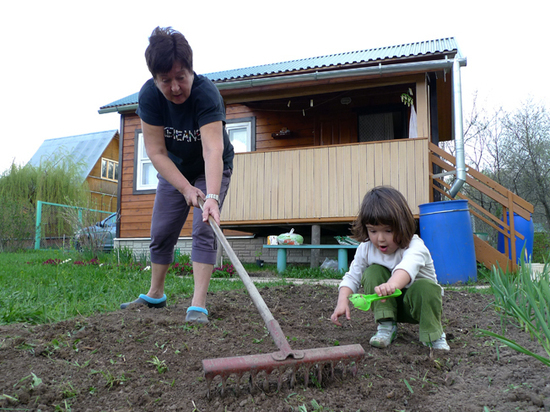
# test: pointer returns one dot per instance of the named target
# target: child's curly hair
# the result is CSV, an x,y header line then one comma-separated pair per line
x,y
384,205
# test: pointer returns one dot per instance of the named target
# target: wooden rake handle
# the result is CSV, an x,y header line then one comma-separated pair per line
x,y
272,325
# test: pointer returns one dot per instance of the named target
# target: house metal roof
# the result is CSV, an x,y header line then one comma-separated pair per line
x,y
443,46
341,59
85,149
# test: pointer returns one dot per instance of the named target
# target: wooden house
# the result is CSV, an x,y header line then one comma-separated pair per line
x,y
313,135
97,154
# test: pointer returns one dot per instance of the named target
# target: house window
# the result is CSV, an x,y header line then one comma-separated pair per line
x,y
145,172
109,169
242,134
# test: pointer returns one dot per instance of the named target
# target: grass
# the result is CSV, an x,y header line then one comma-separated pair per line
x,y
305,272
54,285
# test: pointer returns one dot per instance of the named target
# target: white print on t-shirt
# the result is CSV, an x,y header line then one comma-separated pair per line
x,y
182,135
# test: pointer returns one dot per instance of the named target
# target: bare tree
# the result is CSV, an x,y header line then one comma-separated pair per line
x,y
512,148
526,138
481,130
483,151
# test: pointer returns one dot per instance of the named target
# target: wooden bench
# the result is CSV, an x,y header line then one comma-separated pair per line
x,y
282,249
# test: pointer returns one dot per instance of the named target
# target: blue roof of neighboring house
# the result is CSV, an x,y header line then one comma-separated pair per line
x,y
85,149
409,50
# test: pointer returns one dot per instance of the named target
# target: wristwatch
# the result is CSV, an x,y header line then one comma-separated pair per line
x,y
213,196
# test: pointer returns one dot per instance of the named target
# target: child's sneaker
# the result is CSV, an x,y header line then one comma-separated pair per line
x,y
440,343
386,334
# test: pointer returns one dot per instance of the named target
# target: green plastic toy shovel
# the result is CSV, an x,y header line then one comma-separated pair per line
x,y
363,302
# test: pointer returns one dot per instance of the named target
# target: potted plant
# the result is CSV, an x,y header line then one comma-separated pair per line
x,y
259,261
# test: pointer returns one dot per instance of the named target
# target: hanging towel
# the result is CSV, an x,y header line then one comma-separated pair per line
x,y
413,130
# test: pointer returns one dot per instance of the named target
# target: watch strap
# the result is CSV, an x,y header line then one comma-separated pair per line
x,y
213,196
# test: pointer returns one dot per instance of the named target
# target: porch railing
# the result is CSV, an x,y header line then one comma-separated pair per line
x,y
509,201
323,183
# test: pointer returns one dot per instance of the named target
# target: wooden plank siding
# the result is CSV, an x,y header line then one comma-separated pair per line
x,y
135,210
309,185
320,173
323,183
104,192
272,122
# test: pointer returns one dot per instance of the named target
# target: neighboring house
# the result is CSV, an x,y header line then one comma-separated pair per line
x,y
315,134
98,154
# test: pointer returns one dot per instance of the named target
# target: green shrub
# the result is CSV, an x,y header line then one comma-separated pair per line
x,y
225,271
541,247
17,221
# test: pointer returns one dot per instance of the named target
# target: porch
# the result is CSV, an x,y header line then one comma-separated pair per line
x,y
321,185
320,188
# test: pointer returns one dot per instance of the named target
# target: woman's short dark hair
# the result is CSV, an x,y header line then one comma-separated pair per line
x,y
166,47
384,205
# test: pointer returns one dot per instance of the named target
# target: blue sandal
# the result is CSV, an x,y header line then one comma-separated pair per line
x,y
146,300
196,314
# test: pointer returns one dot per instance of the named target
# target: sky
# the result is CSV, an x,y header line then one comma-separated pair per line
x,y
62,60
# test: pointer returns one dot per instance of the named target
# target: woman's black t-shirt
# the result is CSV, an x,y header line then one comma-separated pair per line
x,y
182,123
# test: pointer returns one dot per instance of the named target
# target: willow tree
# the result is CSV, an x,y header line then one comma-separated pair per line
x,y
57,180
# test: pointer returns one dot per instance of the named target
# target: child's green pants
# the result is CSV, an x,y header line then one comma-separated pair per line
x,y
419,304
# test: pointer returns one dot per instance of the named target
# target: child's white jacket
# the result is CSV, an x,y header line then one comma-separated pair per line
x,y
415,259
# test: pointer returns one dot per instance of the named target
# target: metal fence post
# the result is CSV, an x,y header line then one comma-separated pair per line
x,y
38,224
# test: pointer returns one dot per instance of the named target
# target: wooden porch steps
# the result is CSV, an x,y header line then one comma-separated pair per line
x,y
485,189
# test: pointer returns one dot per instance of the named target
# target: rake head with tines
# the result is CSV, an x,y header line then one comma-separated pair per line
x,y
308,359
285,358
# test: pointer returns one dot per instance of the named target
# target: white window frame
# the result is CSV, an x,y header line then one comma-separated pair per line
x,y
249,125
141,160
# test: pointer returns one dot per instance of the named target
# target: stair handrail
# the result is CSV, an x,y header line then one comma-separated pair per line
x,y
510,202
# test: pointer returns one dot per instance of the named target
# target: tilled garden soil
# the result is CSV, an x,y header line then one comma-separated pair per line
x,y
144,359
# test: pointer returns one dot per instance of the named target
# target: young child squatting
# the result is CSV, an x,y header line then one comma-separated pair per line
x,y
392,257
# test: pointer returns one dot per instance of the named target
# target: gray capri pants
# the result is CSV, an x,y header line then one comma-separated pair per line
x,y
170,212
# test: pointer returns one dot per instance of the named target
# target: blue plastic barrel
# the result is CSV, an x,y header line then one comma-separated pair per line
x,y
446,229
527,229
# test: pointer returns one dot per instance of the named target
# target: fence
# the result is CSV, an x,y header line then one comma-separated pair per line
x,y
39,223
